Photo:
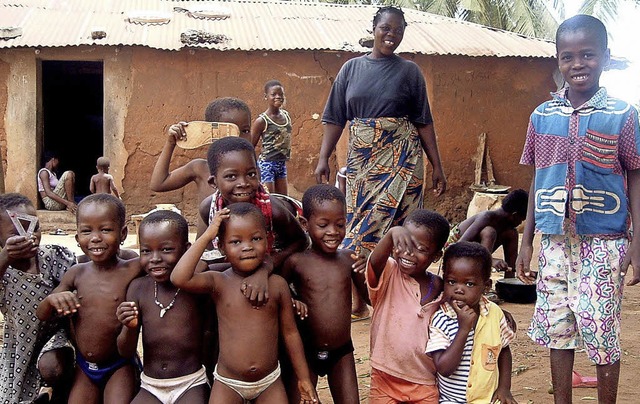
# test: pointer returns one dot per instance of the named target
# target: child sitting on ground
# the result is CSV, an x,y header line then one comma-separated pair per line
x,y
32,351
321,277
234,173
102,183
89,294
496,228
404,294
171,319
273,126
248,367
469,336
226,109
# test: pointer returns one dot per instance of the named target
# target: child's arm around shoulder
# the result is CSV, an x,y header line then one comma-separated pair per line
x,y
397,237
62,300
184,274
128,314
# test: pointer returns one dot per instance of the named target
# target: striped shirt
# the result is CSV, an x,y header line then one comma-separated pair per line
x,y
443,329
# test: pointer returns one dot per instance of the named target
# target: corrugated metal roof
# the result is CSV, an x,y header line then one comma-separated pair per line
x,y
251,25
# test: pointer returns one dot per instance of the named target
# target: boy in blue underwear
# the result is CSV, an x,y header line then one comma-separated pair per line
x,y
248,368
89,294
172,320
469,336
585,194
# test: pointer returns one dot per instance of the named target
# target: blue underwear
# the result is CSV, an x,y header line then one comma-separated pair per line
x,y
99,375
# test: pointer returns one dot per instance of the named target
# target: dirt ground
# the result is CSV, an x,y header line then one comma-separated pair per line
x,y
531,378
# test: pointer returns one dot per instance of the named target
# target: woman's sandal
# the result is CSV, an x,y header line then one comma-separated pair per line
x,y
577,380
201,133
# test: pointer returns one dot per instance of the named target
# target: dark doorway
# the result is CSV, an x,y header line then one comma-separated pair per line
x,y
72,105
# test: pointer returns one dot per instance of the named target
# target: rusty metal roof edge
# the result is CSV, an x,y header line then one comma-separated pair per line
x,y
238,49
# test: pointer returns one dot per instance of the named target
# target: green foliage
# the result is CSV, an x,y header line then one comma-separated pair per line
x,y
533,18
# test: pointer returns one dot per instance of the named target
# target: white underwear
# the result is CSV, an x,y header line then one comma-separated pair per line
x,y
170,390
248,390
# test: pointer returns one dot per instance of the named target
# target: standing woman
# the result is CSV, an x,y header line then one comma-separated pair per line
x,y
385,99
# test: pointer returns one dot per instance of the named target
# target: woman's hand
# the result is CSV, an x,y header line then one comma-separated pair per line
x,y
322,170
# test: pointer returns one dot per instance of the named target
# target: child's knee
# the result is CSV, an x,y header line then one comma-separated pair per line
x,y
56,366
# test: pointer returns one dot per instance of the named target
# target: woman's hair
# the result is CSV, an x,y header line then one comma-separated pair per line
x,y
221,105
470,250
173,218
48,155
226,145
242,209
317,194
271,83
106,199
388,9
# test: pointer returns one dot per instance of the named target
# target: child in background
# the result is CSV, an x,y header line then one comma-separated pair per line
x,y
584,197
89,294
234,173
321,277
171,319
496,228
404,295
227,109
469,336
32,351
248,367
273,126
102,183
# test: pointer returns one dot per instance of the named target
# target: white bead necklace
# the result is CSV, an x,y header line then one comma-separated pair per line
x,y
163,310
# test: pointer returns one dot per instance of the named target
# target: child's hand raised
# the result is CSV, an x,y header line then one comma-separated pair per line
x,y
214,226
65,303
402,241
127,313
466,316
308,393
177,132
300,309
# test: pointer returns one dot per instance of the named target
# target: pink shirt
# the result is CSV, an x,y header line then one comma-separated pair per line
x,y
53,180
400,326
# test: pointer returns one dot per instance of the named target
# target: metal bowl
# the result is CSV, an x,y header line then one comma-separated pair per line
x,y
512,290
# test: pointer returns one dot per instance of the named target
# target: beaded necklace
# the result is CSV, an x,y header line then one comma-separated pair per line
x,y
163,310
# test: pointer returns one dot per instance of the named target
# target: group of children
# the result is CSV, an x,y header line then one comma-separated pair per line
x,y
281,292
165,295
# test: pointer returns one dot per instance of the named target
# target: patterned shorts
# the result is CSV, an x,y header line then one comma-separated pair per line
x,y
270,171
579,292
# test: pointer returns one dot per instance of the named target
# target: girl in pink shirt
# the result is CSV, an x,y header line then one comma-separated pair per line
x,y
404,295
